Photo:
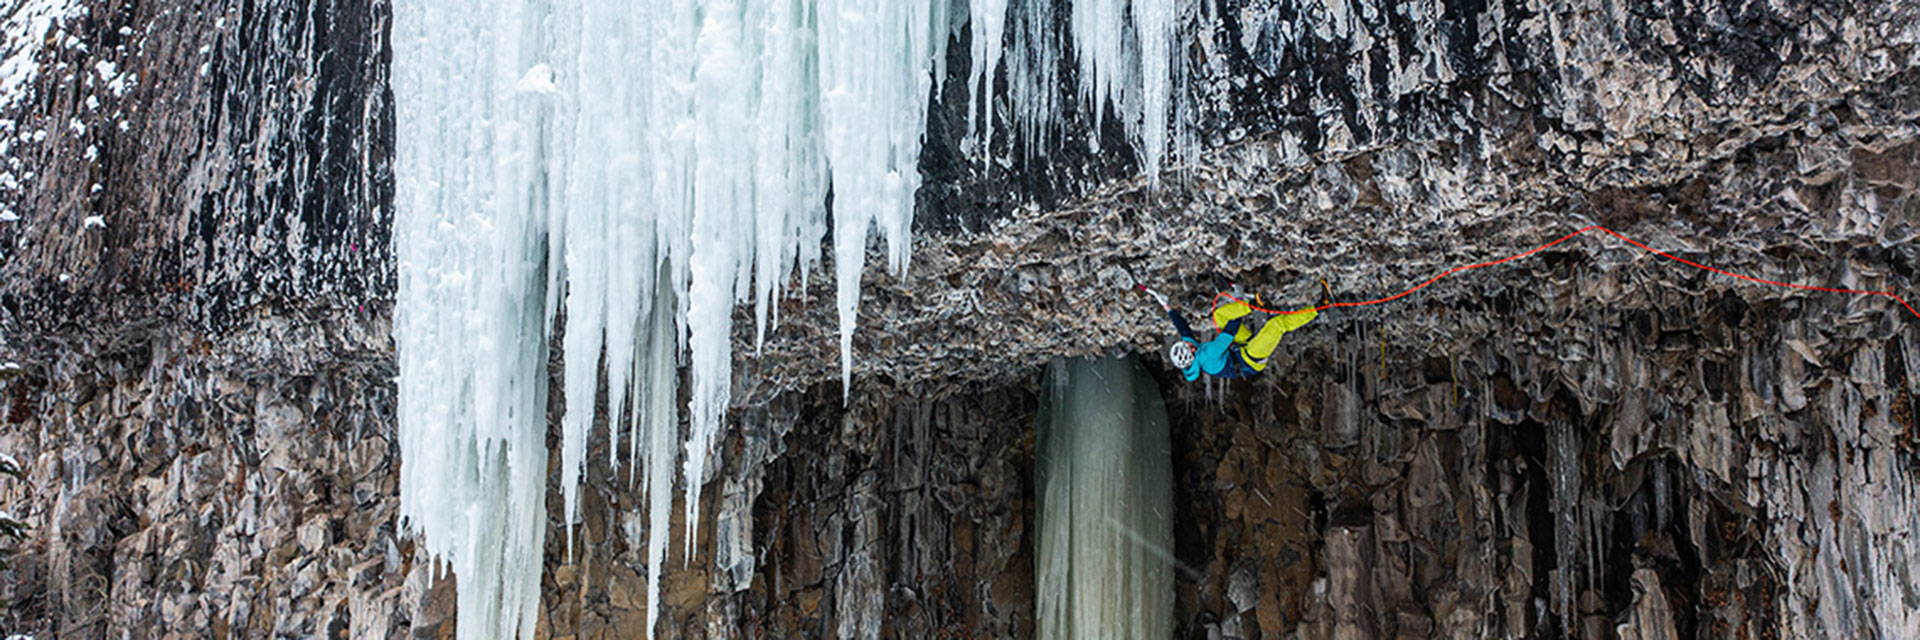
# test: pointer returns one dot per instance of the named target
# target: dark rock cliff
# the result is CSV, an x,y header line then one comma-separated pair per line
x,y
1591,442
206,414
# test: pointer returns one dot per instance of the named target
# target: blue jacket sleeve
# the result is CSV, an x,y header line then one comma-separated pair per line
x,y
1180,324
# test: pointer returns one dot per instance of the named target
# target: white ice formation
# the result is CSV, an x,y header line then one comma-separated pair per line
x,y
639,169
1126,64
1104,567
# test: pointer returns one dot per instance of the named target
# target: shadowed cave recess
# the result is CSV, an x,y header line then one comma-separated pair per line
x,y
1589,442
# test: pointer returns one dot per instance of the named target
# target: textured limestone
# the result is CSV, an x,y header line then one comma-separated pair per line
x,y
910,519
1798,156
1633,470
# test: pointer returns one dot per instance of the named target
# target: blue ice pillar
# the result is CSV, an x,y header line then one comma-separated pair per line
x,y
1105,562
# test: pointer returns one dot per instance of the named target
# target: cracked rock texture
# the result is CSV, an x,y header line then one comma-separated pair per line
x,y
206,414
1591,442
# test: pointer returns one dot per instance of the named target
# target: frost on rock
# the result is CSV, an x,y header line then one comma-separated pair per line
x,y
25,30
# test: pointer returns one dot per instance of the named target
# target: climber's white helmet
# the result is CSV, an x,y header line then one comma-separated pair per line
x,y
1180,353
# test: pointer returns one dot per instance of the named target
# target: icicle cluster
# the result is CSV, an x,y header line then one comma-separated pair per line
x,y
1127,64
471,318
639,170
1105,563
642,169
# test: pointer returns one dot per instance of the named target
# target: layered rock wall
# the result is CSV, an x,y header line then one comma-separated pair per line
x,y
1589,442
1699,469
194,289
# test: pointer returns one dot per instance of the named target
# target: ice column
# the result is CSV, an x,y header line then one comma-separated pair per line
x,y
1105,563
471,318
656,427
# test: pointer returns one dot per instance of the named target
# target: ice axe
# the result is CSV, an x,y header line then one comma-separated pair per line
x,y
1157,296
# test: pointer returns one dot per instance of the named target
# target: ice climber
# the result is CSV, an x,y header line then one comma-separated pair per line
x,y
1237,350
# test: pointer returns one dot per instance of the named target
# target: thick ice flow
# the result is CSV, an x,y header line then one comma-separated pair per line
x,y
1105,562
470,321
638,170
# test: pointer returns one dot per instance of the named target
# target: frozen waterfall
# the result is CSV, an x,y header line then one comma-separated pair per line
x,y
640,169
470,235
1104,567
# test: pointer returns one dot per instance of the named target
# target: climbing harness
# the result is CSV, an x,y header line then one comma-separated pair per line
x,y
1241,299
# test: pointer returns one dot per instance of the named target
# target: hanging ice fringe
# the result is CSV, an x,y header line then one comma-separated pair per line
x,y
641,169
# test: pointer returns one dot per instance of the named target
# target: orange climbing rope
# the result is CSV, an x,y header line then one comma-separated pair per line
x,y
1896,298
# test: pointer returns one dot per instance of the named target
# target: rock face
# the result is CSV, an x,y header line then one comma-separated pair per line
x,y
1587,481
206,415
180,494
1590,442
